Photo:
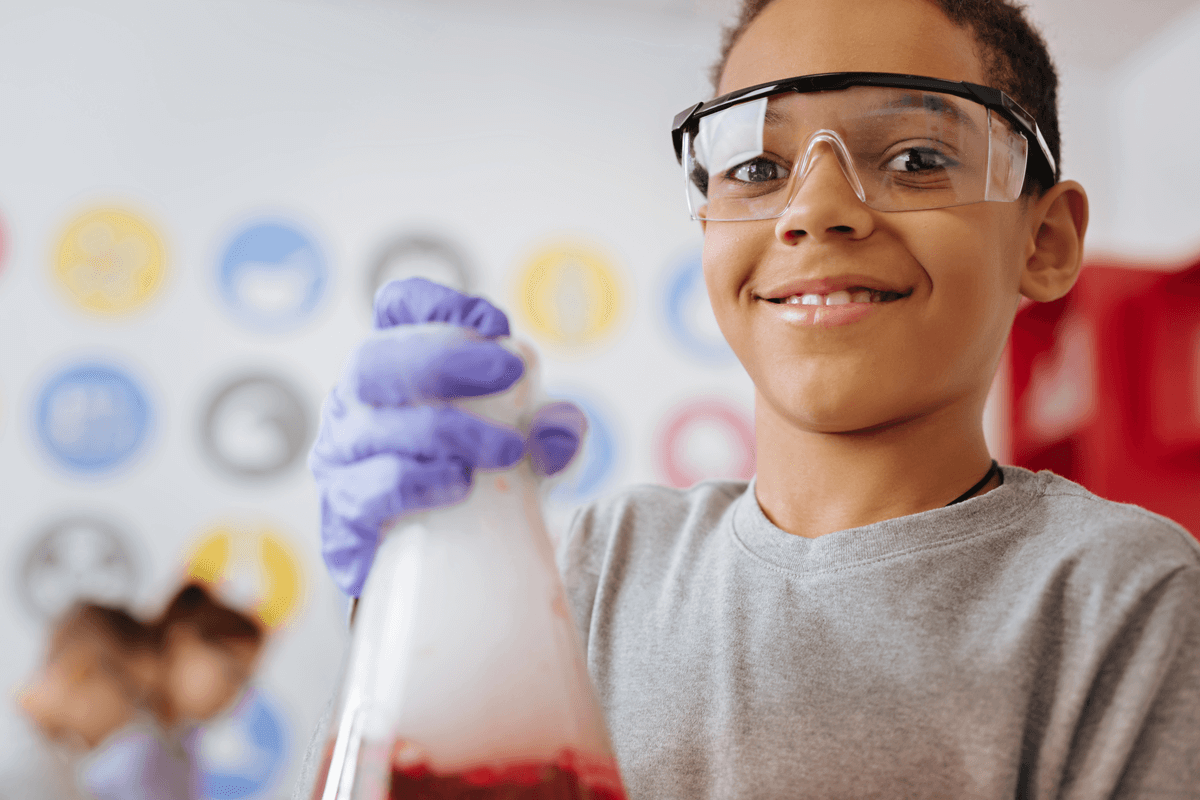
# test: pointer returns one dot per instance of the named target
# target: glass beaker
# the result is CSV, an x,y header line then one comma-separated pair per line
x,y
465,676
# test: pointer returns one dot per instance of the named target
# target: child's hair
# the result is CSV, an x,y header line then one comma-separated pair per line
x,y
105,625
1014,55
211,620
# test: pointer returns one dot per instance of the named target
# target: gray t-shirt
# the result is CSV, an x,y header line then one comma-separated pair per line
x,y
1034,642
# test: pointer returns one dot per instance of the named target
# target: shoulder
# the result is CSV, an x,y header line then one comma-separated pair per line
x,y
1061,503
646,519
663,502
1070,525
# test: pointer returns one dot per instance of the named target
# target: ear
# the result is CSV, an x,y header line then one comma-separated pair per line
x,y
1058,222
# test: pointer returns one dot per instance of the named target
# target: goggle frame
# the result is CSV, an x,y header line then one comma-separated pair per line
x,y
1043,163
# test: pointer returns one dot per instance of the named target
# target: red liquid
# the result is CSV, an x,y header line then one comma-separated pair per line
x,y
569,777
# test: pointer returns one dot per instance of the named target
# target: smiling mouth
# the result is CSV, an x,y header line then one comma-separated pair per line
x,y
857,294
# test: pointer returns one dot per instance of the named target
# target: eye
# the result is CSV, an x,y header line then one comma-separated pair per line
x,y
758,170
920,159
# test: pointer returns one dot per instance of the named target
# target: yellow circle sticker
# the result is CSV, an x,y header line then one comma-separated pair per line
x,y
110,261
253,570
569,294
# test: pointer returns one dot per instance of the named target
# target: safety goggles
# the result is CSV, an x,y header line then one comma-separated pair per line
x,y
903,142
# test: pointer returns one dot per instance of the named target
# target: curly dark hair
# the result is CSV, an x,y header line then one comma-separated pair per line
x,y
213,621
112,626
1014,55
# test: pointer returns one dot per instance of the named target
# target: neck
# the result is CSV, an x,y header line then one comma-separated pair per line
x,y
812,483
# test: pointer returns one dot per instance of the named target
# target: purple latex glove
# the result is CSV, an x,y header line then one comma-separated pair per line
x,y
388,446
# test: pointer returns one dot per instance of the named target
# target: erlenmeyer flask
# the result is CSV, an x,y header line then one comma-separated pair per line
x,y
465,676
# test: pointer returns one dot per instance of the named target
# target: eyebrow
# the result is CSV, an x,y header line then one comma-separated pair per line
x,y
774,116
937,104
930,102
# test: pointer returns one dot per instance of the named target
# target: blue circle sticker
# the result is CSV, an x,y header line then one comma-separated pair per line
x,y
689,314
241,755
272,276
92,417
598,453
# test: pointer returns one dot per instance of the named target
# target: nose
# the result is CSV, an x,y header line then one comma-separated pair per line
x,y
824,202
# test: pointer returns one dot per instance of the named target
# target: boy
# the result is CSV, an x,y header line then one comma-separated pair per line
x,y
100,667
209,652
881,611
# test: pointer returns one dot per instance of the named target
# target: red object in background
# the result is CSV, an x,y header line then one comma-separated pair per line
x,y
1106,388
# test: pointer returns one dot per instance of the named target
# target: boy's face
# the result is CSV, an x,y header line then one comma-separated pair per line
x,y
78,698
202,677
933,350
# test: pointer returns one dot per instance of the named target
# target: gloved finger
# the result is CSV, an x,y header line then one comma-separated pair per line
x,y
353,432
555,435
348,549
360,498
416,300
411,365
365,491
383,487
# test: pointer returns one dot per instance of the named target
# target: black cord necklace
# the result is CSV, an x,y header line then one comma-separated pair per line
x,y
994,469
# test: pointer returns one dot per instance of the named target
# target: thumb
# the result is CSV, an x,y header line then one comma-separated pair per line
x,y
555,435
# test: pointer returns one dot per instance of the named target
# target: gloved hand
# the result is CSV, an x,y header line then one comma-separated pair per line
x,y
387,445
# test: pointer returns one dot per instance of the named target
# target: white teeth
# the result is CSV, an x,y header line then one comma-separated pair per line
x,y
838,298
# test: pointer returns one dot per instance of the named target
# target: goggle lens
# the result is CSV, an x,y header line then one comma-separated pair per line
x,y
899,149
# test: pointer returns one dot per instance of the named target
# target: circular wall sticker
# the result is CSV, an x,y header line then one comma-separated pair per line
x,y
240,755
272,276
77,558
110,261
256,426
252,569
92,417
706,438
689,314
569,294
419,256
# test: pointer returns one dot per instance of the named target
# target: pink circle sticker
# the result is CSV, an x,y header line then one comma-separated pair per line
x,y
706,438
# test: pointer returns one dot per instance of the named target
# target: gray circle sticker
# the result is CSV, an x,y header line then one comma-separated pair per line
x,y
256,426
77,558
419,256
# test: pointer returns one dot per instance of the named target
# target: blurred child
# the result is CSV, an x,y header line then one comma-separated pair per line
x,y
100,669
125,698
209,652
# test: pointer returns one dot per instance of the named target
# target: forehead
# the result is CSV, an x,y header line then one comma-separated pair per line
x,y
805,37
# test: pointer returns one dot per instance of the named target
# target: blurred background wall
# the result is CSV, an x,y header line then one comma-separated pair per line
x,y
199,197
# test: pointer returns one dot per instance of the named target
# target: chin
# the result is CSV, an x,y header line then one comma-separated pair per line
x,y
826,413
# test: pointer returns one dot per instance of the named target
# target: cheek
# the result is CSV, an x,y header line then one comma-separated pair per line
x,y
100,708
730,255
972,263
201,684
